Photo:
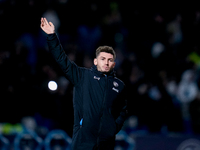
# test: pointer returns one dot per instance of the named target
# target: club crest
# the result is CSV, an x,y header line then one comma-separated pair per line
x,y
115,84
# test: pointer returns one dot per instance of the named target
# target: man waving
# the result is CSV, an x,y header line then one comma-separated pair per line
x,y
100,107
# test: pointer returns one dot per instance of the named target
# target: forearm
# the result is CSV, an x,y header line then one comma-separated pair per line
x,y
71,70
122,117
54,46
57,51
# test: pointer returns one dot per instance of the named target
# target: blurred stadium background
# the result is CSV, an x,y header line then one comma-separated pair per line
x,y
158,58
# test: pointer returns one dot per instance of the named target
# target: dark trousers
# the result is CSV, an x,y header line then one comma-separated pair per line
x,y
105,145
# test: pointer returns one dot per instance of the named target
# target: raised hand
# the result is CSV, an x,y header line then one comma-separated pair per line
x,y
47,27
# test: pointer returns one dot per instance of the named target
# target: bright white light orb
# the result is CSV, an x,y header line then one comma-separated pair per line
x,y
52,85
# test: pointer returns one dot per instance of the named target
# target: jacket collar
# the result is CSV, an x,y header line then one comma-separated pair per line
x,y
111,73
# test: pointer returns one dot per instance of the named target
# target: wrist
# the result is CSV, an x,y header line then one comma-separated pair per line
x,y
51,32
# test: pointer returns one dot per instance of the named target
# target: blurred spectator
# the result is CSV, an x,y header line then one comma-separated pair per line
x,y
89,36
87,61
187,91
174,30
27,140
195,58
4,143
57,139
157,49
131,127
29,124
123,141
28,42
187,88
89,32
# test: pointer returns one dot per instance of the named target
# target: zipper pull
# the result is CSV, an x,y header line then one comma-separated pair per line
x,y
81,122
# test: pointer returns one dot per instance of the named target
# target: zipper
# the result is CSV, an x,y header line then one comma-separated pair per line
x,y
81,123
100,124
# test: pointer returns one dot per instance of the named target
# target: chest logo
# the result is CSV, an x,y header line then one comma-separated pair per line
x,y
116,90
115,84
98,78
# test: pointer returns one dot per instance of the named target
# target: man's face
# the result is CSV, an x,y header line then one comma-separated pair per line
x,y
104,62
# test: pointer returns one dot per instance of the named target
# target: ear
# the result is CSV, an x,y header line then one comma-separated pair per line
x,y
95,61
114,64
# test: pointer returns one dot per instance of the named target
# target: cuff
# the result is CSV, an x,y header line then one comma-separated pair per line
x,y
51,36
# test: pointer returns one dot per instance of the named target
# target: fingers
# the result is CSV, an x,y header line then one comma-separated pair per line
x,y
51,24
42,22
45,21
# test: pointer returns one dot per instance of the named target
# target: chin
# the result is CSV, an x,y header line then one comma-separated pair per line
x,y
106,70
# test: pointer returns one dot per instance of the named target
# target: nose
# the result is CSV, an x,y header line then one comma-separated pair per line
x,y
107,62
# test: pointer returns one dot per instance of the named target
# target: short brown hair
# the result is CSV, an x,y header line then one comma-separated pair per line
x,y
106,49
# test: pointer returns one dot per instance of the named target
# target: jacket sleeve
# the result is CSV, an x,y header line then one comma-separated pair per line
x,y
123,114
71,70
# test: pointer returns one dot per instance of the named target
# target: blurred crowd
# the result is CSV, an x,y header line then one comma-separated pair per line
x,y
158,58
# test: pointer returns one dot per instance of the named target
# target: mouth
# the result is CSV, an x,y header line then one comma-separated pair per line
x,y
106,68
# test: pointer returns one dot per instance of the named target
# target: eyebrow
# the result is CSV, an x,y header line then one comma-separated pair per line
x,y
105,57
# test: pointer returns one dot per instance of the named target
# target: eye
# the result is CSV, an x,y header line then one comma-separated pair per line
x,y
111,60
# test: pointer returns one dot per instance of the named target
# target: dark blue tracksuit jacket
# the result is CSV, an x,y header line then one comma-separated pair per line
x,y
99,102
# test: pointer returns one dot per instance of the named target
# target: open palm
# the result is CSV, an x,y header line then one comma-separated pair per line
x,y
46,26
